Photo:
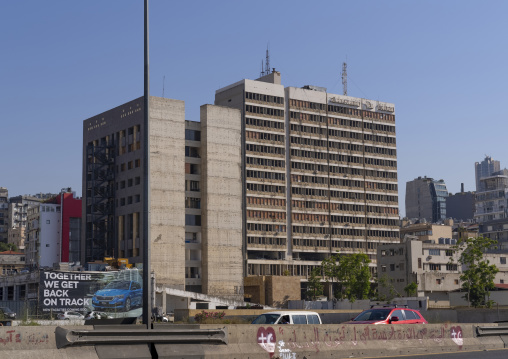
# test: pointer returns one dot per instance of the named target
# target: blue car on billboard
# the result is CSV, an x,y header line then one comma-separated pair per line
x,y
119,294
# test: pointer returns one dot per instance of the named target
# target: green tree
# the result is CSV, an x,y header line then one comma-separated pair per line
x,y
354,276
411,289
314,285
8,247
478,274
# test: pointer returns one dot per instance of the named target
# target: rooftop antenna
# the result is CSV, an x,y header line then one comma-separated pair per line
x,y
267,64
344,78
265,70
163,82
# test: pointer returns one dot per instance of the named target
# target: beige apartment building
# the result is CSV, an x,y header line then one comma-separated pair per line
x,y
195,192
320,174
439,233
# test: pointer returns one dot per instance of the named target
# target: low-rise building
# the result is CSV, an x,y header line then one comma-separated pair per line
x,y
11,262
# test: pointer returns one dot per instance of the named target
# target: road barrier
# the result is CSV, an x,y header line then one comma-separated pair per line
x,y
247,340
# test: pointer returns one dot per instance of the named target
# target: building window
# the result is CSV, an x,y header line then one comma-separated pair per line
x,y
433,266
122,201
129,200
383,268
401,266
401,251
438,281
434,252
192,220
503,260
129,165
129,182
48,221
137,180
451,267
392,267
137,163
419,263
138,198
456,281
383,253
122,167
501,281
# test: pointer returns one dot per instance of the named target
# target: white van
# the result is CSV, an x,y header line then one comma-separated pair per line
x,y
288,317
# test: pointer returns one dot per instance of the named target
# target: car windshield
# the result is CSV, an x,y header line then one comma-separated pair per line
x,y
373,314
118,285
266,319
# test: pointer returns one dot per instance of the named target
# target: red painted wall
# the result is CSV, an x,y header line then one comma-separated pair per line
x,y
71,208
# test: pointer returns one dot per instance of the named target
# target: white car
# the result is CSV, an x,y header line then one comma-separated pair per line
x,y
288,317
70,316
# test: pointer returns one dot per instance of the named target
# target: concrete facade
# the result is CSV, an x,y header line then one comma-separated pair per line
x,y
18,210
320,174
427,231
221,196
11,262
195,193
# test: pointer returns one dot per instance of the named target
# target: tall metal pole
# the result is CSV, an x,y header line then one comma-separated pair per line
x,y
147,298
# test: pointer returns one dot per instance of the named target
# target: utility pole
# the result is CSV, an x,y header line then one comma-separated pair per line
x,y
147,297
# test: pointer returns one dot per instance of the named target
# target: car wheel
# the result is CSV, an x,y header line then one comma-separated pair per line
x,y
66,318
127,304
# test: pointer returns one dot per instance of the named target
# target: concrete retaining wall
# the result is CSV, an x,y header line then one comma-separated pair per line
x,y
283,341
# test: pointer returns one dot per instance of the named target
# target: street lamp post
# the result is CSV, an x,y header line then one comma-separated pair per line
x,y
147,302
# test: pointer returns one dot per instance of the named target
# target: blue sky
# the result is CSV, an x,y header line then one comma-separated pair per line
x,y
442,63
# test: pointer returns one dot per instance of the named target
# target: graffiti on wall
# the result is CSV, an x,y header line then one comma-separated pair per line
x,y
316,338
10,336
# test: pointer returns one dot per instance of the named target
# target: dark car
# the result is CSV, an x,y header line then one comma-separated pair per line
x,y
389,315
119,294
7,313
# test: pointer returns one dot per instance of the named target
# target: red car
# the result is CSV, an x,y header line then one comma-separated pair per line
x,y
389,315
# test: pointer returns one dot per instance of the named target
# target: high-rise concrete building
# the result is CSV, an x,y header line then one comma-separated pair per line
x,y
4,214
426,199
320,174
195,193
484,169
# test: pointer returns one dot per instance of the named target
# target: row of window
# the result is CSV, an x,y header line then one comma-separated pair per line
x,y
264,227
348,232
129,165
259,187
275,176
267,162
264,136
267,240
130,182
125,201
264,98
266,215
275,112
276,202
264,123
265,149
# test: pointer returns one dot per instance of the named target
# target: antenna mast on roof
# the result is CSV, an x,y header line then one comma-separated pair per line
x,y
266,69
344,78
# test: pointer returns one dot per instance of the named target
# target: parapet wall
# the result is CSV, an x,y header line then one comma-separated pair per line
x,y
265,341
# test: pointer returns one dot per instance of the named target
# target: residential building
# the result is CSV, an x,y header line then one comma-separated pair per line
x,y
432,266
320,174
18,211
195,193
492,199
11,262
426,199
460,206
4,214
484,169
434,233
54,231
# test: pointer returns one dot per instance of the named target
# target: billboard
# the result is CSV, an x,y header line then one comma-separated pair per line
x,y
117,292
